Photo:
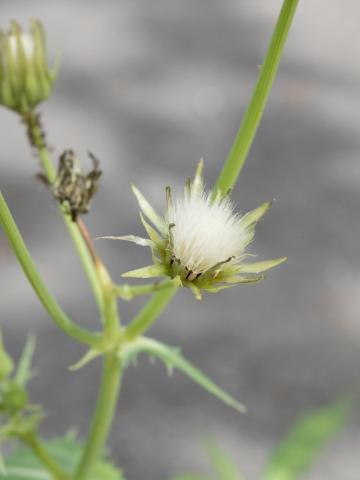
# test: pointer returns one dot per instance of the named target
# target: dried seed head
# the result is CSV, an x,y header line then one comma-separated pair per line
x,y
74,189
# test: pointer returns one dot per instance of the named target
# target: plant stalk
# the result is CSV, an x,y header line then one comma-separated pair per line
x,y
103,417
146,317
52,307
248,128
31,440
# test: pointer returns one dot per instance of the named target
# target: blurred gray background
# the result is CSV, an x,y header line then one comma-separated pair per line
x,y
151,86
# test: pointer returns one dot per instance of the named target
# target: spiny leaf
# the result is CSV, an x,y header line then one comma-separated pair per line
x,y
302,445
89,356
23,372
173,359
23,465
222,464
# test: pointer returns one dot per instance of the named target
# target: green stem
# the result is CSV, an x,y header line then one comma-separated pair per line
x,y
31,440
61,319
46,163
86,260
104,413
37,139
112,318
253,115
143,320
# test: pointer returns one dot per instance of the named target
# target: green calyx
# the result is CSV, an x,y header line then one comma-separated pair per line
x,y
226,272
25,78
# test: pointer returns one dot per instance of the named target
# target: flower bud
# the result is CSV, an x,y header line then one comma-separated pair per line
x,y
25,78
13,397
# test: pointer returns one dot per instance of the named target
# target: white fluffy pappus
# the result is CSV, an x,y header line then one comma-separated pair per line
x,y
206,232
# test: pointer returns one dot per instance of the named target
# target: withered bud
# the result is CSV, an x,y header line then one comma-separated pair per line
x,y
74,189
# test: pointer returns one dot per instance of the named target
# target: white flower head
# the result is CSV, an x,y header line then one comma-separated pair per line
x,y
205,233
200,239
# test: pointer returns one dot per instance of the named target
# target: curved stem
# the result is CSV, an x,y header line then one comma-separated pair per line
x,y
253,115
32,441
143,320
48,301
37,140
104,413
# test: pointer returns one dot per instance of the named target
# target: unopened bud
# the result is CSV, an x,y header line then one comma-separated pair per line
x,y
25,78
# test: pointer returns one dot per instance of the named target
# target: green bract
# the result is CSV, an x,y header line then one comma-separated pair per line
x,y
6,363
25,78
200,240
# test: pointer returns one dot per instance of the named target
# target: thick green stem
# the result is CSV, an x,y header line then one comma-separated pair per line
x,y
48,301
143,320
253,115
104,414
31,440
37,139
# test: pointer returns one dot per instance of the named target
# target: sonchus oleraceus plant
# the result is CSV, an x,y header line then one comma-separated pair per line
x,y
199,242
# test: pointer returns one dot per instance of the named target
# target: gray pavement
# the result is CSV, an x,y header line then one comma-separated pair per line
x,y
150,87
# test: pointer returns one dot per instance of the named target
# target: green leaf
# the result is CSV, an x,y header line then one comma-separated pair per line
x,y
190,476
143,242
146,272
303,444
252,217
223,467
198,184
23,465
173,359
153,234
23,372
2,465
222,464
196,290
6,363
258,267
88,357
149,211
